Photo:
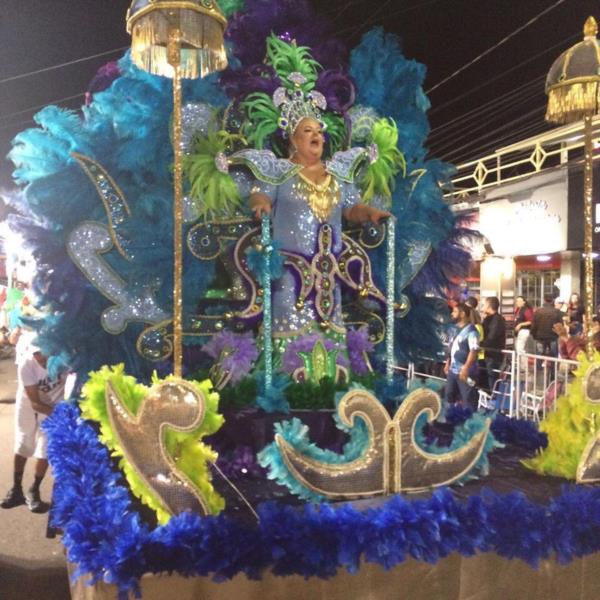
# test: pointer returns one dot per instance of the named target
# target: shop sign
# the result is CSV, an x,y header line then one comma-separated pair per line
x,y
536,225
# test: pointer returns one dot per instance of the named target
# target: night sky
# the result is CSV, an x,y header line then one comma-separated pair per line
x,y
442,34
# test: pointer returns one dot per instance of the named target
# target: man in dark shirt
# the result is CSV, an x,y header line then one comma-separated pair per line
x,y
542,326
494,339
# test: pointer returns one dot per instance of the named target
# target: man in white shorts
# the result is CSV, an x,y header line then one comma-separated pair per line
x,y
37,395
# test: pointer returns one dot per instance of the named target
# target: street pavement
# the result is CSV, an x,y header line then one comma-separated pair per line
x,y
32,567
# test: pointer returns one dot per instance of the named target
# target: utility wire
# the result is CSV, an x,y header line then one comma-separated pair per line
x,y
491,116
17,124
484,126
26,110
500,75
500,43
493,133
490,151
491,147
65,64
484,123
373,18
509,96
493,110
517,134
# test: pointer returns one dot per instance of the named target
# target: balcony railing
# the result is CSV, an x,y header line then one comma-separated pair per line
x,y
546,151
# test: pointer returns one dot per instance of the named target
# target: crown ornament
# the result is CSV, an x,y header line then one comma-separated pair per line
x,y
294,104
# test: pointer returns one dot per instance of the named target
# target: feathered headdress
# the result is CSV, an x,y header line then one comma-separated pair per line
x,y
269,118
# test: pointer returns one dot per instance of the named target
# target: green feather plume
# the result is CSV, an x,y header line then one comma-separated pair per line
x,y
229,7
262,116
379,177
335,131
289,58
214,193
570,427
262,119
191,454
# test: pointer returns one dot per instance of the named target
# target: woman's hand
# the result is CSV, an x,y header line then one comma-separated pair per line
x,y
260,205
362,213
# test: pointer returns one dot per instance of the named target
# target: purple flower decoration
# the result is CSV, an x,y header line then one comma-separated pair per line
x,y
102,80
256,78
290,20
292,361
358,344
240,463
236,353
338,89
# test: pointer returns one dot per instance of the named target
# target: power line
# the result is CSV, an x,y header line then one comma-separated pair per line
x,y
500,43
494,132
500,75
484,121
492,146
493,110
65,64
26,110
373,18
507,96
17,124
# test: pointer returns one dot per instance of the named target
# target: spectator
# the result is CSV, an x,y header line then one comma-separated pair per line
x,y
542,330
461,365
575,311
481,378
494,339
523,320
37,395
569,346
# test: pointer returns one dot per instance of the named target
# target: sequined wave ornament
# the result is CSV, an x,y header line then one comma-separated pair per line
x,y
157,433
392,460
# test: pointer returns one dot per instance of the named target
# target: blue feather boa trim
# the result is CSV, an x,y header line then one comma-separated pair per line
x,y
105,537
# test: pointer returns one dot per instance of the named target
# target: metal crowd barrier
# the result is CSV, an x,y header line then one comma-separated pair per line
x,y
533,383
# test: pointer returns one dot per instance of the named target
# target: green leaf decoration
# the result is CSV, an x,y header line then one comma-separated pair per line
x,y
379,178
191,455
214,192
318,363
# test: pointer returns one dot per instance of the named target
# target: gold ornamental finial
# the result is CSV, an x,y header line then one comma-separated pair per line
x,y
590,29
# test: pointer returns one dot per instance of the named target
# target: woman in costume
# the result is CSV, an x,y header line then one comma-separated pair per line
x,y
287,131
306,212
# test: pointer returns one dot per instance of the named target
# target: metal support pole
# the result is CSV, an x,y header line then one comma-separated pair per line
x,y
267,310
173,50
390,299
588,233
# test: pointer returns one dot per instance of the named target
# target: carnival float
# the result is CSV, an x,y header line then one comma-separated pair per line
x,y
237,242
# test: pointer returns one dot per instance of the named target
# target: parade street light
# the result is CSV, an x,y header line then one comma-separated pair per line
x,y
177,39
573,85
